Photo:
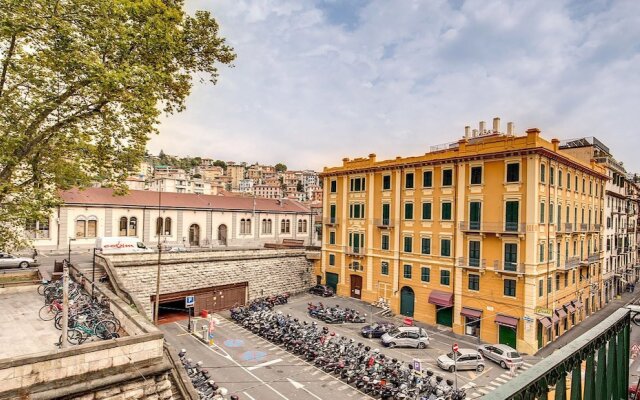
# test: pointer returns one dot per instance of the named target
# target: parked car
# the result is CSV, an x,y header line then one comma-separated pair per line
x,y
178,249
322,290
467,359
377,329
502,354
10,261
406,336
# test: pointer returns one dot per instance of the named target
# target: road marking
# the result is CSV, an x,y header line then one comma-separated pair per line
x,y
307,368
501,380
228,357
483,391
280,352
273,347
343,387
331,383
264,364
316,372
248,395
491,386
325,377
298,385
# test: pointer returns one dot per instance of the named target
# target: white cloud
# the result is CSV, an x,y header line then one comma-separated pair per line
x,y
314,83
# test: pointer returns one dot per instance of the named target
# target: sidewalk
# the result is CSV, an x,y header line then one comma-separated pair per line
x,y
588,323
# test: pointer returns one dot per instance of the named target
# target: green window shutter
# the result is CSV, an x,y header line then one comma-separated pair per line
x,y
427,179
426,211
446,211
426,246
408,211
408,244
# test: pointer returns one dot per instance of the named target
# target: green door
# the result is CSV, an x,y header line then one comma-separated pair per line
x,y
474,215
407,300
540,335
507,336
511,216
444,316
332,281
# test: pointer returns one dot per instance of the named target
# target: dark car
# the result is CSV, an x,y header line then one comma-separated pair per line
x,y
377,329
322,290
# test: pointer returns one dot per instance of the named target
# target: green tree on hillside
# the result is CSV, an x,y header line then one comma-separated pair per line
x,y
280,167
82,84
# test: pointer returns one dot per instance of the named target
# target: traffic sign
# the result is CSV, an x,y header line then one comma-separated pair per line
x,y
455,347
189,301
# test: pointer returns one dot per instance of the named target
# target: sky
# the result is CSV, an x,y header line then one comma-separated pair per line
x,y
319,80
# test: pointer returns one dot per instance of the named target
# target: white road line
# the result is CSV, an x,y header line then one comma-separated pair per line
x,y
331,383
476,395
248,395
264,364
273,347
316,372
228,357
491,386
341,388
501,380
483,391
325,377
280,352
307,368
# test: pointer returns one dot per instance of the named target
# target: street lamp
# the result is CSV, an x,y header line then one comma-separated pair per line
x,y
69,254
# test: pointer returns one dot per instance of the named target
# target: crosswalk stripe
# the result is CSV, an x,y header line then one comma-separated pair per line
x,y
501,380
483,391
476,395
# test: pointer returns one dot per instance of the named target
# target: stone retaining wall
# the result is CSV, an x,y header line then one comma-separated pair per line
x,y
157,387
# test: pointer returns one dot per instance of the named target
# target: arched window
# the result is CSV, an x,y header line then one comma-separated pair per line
x,y
287,226
159,226
167,226
282,226
299,226
133,226
81,227
304,226
266,226
86,227
123,226
92,227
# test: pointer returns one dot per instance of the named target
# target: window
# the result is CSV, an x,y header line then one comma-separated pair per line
x,y
408,211
332,259
133,226
332,237
445,277
267,227
474,253
333,186
552,176
356,241
38,229
356,211
542,213
86,227
476,175
575,188
474,282
386,182
568,180
541,252
584,186
426,211
543,170
573,276
566,278
445,247
425,274
513,172
540,288
551,213
245,226
92,228
510,256
408,180
559,178
167,226
446,211
447,177
426,246
407,271
385,242
511,216
159,225
285,226
427,179
549,286
408,244
123,226
510,287
384,268
332,213
590,188
357,184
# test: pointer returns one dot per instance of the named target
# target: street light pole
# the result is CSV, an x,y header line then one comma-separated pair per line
x,y
159,232
69,253
65,304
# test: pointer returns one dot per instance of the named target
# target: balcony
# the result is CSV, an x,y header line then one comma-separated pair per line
x,y
354,251
596,227
604,346
383,223
570,263
593,257
568,228
508,267
493,227
474,264
331,221
584,227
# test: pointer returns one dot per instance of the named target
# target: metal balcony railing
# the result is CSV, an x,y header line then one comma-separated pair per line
x,y
568,228
354,251
478,264
570,263
593,257
494,227
508,267
584,227
597,227
330,220
383,223
603,352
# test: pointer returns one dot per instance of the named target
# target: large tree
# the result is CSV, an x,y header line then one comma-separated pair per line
x,y
82,84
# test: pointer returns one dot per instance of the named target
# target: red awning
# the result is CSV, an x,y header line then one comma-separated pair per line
x,y
577,304
506,321
546,322
442,299
570,308
561,313
554,318
471,312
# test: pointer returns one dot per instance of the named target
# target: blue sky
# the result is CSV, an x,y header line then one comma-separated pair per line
x,y
319,80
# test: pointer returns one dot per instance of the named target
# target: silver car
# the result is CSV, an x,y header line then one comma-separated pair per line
x,y
467,359
502,354
10,261
406,336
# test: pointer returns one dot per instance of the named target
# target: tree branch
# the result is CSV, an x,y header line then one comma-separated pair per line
x,y
5,62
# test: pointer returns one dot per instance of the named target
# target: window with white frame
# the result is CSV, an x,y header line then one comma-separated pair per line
x,y
38,229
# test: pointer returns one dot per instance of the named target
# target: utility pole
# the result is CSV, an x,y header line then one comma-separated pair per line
x,y
159,229
65,303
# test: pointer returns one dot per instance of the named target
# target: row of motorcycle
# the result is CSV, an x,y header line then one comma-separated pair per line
x,y
335,315
358,365
206,387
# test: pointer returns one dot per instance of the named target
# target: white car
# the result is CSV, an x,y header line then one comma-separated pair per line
x,y
10,261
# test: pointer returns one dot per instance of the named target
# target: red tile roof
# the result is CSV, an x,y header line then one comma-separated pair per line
x,y
144,198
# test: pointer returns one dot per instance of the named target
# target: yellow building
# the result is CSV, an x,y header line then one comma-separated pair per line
x,y
497,236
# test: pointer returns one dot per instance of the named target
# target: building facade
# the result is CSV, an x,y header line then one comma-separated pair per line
x,y
496,236
188,220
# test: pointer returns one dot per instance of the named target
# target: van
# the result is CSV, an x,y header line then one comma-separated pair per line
x,y
121,245
406,336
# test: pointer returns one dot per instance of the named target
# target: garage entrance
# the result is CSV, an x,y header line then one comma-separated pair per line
x,y
212,299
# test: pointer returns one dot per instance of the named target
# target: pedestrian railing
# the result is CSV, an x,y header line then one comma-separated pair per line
x,y
592,367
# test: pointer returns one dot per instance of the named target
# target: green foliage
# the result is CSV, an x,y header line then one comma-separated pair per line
x,y
220,163
300,187
280,167
82,84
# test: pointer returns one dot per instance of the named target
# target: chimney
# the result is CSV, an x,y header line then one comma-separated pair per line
x,y
556,144
482,127
509,128
496,125
372,157
467,131
475,132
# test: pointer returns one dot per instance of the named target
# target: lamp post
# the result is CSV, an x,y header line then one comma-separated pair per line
x,y
159,232
69,253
